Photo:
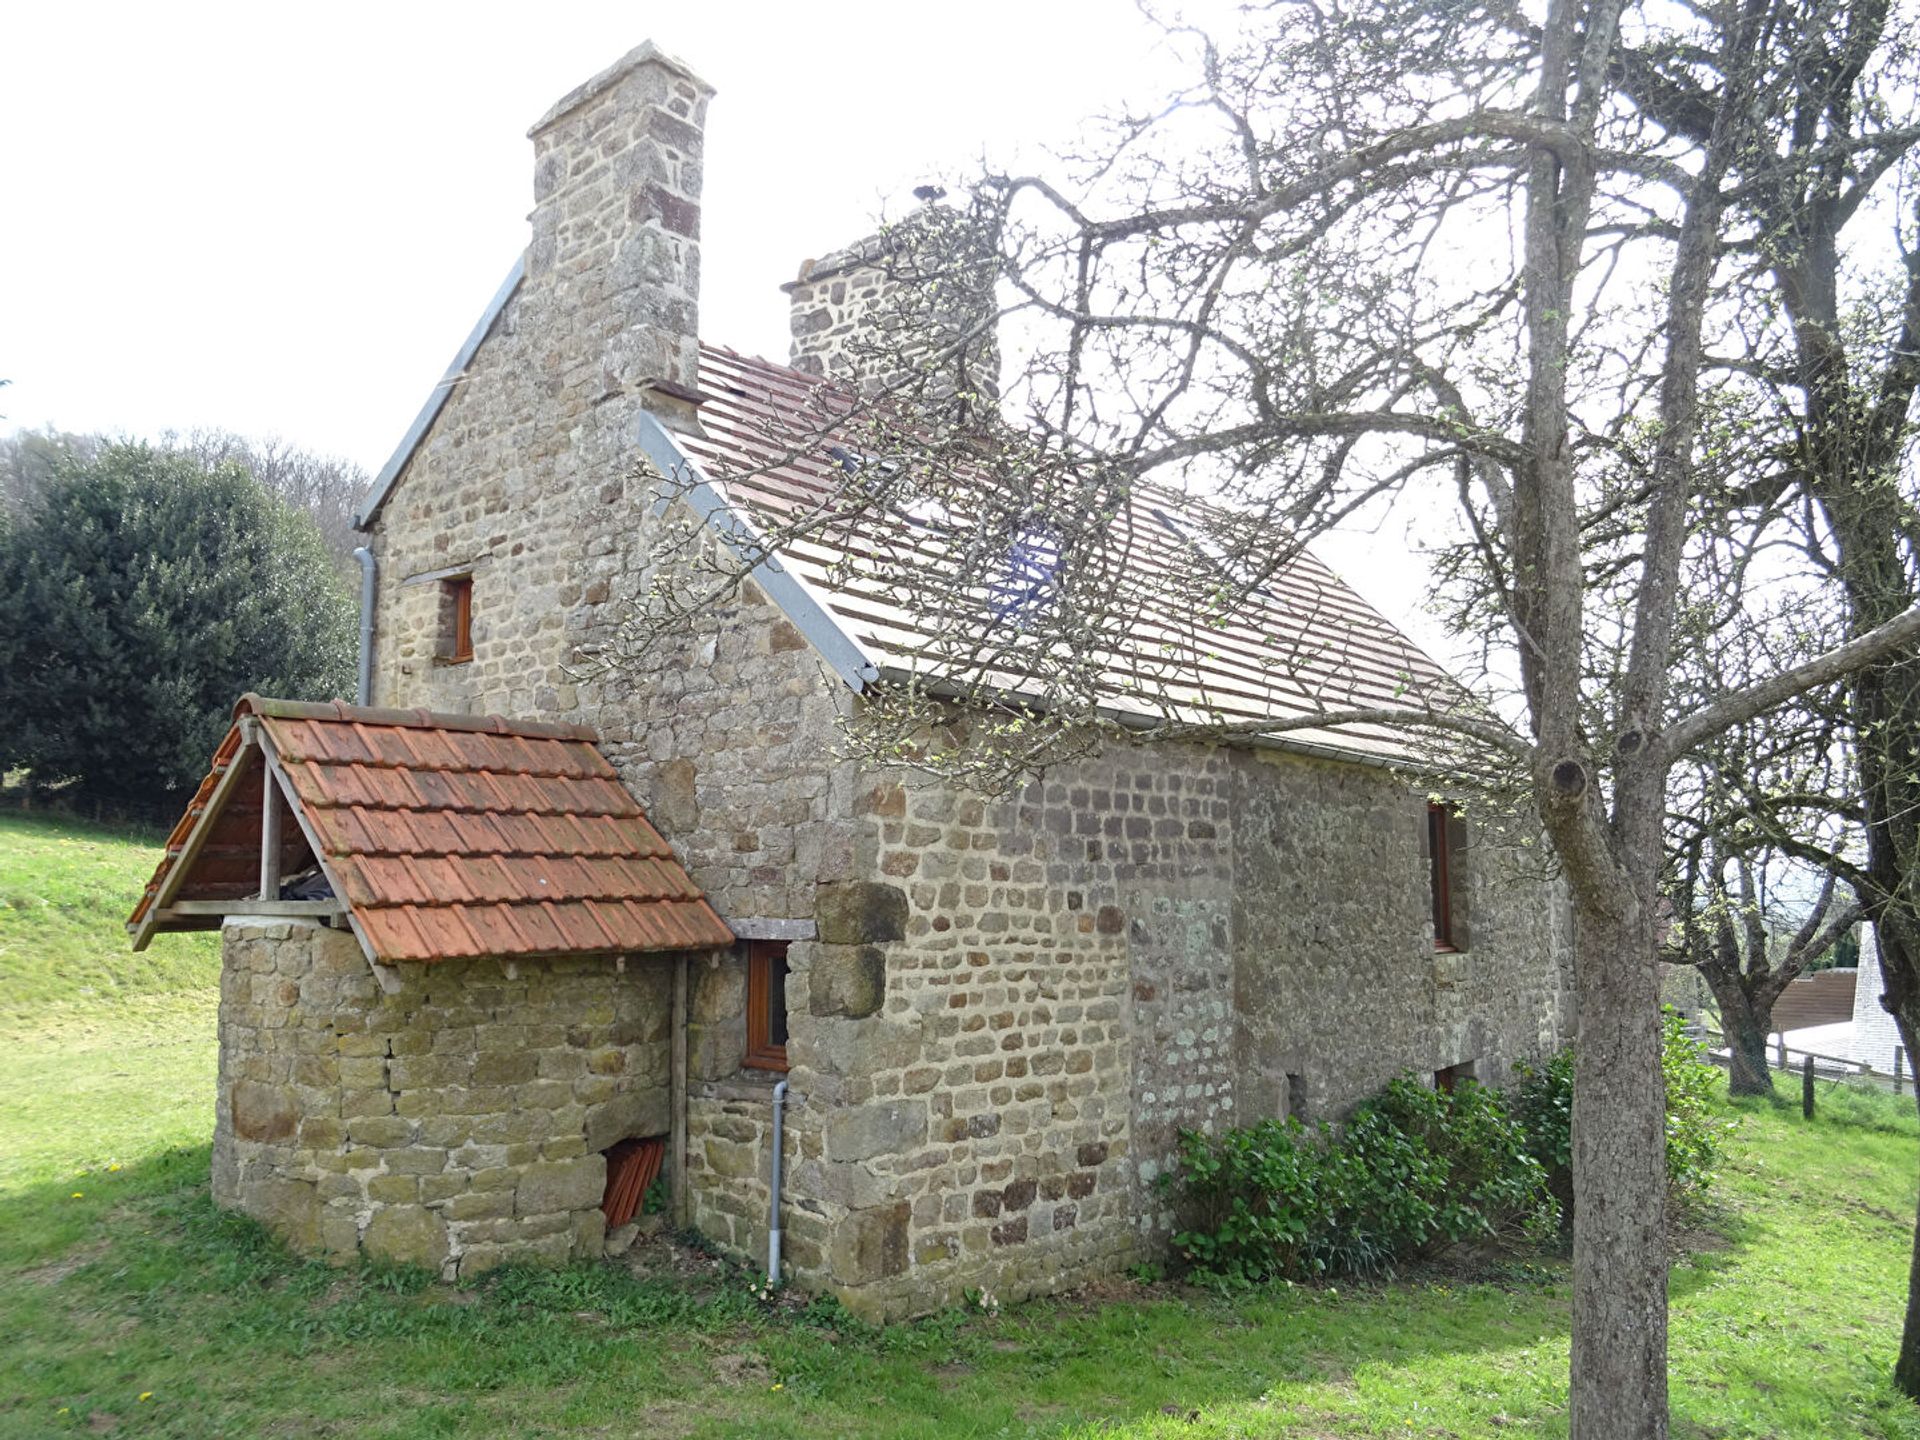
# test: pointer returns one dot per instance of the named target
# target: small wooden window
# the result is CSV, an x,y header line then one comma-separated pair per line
x,y
1440,872
767,1004
1449,1079
457,606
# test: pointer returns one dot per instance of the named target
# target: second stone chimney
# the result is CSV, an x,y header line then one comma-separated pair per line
x,y
616,224
911,305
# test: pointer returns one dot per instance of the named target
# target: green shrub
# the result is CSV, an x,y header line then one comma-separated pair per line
x,y
143,594
1695,1123
1543,1104
1410,1170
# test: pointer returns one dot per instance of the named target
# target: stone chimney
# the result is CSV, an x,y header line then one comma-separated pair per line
x,y
616,225
900,303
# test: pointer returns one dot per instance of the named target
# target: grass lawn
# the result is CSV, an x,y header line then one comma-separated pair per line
x,y
128,1305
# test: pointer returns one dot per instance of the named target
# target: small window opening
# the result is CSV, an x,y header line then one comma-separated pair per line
x,y
1296,1097
1440,874
1449,1079
456,619
767,1004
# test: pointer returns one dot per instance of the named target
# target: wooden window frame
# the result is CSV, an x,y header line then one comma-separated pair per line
x,y
1440,875
762,1053
458,590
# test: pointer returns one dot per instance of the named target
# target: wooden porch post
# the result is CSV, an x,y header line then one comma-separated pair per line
x,y
270,809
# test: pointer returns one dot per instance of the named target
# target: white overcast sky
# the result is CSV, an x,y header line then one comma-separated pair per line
x,y
282,220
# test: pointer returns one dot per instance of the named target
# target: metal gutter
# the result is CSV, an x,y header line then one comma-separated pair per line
x,y
1132,720
786,589
383,483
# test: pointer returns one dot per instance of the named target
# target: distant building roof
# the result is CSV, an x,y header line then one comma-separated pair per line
x,y
440,836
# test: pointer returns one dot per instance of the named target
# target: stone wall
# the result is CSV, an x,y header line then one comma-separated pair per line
x,y
456,1123
1338,986
911,305
1157,939
518,480
527,481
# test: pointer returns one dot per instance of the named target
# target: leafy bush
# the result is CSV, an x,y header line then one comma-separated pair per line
x,y
144,593
1543,1104
1409,1171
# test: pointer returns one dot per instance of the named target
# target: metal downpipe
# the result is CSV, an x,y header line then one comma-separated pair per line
x,y
363,690
773,1218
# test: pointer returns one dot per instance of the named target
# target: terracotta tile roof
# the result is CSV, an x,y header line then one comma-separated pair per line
x,y
1305,642
450,836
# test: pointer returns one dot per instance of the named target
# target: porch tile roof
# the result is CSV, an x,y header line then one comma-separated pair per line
x,y
449,836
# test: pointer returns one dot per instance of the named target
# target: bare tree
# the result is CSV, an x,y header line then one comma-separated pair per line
x,y
1729,931
1409,252
1757,813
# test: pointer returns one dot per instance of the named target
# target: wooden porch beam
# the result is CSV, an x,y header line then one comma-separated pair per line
x,y
280,909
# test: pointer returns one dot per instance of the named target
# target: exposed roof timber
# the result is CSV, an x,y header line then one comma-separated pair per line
x,y
384,974
203,827
783,587
383,483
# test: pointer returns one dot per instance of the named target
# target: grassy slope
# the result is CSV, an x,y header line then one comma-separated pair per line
x,y
119,1283
65,891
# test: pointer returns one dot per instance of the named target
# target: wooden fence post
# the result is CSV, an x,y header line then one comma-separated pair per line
x,y
1899,1064
1780,1049
1806,1087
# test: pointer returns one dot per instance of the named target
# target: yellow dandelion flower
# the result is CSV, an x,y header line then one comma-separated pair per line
x,y
779,1386
114,1166
146,1394
79,1194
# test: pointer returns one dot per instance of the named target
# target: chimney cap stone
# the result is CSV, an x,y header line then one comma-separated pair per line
x,y
645,53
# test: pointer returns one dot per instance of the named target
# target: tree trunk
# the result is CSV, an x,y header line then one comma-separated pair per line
x,y
1746,1023
1906,1366
1619,1389
1898,970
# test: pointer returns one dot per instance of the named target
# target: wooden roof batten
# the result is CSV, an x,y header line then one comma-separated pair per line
x,y
440,837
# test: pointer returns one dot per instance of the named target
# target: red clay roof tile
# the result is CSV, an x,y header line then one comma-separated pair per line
x,y
452,836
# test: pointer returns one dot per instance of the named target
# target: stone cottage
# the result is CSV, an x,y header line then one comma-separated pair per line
x,y
991,1017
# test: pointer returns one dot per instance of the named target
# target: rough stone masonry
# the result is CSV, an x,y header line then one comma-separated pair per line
x,y
456,1123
